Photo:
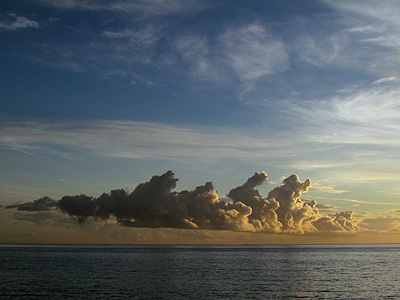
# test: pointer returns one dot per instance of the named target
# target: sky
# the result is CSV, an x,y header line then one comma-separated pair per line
x,y
281,120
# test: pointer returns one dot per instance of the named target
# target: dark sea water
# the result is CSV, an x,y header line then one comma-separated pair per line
x,y
200,272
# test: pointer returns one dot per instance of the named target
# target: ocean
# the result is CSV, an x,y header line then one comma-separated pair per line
x,y
200,272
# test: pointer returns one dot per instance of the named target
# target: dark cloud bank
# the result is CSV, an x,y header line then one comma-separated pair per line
x,y
154,204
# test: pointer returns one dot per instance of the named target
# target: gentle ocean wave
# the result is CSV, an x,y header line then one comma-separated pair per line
x,y
200,272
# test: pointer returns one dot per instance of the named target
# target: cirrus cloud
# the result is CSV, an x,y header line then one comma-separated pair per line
x,y
13,22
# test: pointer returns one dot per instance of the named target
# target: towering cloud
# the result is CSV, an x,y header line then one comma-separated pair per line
x,y
154,204
263,216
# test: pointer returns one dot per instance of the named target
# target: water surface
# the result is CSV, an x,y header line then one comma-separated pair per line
x,y
200,272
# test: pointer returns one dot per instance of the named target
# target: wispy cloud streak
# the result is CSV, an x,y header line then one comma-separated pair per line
x,y
362,116
144,7
128,139
13,22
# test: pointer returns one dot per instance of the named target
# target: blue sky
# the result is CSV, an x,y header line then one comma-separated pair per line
x,y
98,95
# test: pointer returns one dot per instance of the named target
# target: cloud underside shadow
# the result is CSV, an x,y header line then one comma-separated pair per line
x,y
154,204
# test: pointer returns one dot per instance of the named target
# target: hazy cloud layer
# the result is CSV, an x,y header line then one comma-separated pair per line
x,y
154,204
380,220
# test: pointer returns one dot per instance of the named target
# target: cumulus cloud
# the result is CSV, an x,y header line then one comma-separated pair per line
x,y
12,22
154,204
343,221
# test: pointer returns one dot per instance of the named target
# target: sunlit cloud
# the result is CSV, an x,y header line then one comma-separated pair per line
x,y
331,189
386,79
357,201
327,208
153,204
